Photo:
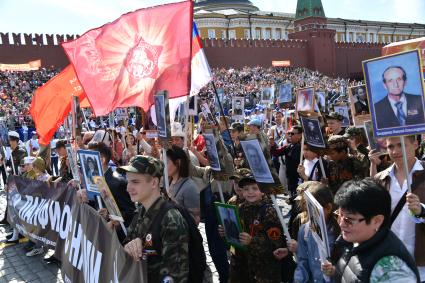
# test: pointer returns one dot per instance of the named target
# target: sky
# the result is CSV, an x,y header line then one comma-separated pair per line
x,y
78,16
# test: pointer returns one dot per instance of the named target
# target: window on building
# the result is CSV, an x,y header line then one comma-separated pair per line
x,y
360,38
232,34
371,39
342,37
223,34
246,34
266,34
350,37
211,33
257,34
278,34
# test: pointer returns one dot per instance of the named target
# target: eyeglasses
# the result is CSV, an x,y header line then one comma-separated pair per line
x,y
291,134
349,221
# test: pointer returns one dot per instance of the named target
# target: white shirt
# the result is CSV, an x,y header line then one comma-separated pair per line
x,y
393,103
404,224
308,166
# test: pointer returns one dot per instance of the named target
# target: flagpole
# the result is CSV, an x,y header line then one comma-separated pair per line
x,y
186,128
224,117
164,159
405,164
322,167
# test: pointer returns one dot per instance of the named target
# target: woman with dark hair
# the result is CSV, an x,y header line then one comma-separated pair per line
x,y
130,149
371,251
182,189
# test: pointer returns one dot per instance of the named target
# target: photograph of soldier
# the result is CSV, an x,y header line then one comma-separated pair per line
x,y
396,93
343,110
193,105
72,162
229,220
257,162
285,93
238,108
212,151
160,115
90,162
359,105
312,132
267,95
305,99
207,114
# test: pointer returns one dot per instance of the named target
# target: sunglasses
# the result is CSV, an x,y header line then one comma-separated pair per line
x,y
291,134
349,221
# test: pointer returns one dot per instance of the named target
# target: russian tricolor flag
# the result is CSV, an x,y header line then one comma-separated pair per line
x,y
201,72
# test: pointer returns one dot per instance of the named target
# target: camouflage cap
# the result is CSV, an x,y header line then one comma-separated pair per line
x,y
352,132
334,116
337,142
236,126
246,178
239,173
143,164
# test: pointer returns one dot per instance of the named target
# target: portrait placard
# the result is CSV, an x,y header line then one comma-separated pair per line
x,y
317,225
193,105
395,91
312,131
285,93
343,110
212,152
305,100
207,114
320,101
151,134
91,166
238,108
230,221
121,114
375,144
267,95
108,199
72,159
359,104
162,115
257,162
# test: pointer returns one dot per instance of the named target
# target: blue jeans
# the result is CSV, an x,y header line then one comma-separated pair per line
x,y
216,245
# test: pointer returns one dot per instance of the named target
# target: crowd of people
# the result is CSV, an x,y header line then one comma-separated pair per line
x,y
374,222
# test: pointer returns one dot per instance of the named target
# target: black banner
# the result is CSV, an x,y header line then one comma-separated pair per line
x,y
88,249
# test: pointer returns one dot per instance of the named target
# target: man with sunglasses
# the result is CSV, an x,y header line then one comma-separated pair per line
x,y
292,152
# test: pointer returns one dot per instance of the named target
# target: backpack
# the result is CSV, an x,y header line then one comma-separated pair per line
x,y
197,257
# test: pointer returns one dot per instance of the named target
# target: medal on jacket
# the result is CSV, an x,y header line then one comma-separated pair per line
x,y
148,240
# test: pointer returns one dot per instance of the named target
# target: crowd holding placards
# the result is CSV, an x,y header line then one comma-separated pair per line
x,y
373,229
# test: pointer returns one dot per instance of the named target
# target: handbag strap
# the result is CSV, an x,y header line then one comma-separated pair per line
x,y
398,208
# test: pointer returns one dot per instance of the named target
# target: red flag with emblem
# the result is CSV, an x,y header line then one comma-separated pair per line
x,y
125,62
52,103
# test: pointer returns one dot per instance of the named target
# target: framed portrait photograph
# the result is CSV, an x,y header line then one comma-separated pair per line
x,y
207,114
231,223
108,199
238,107
359,104
320,101
285,93
395,90
193,105
375,144
151,134
343,110
161,112
72,159
121,114
257,162
312,131
305,100
317,224
91,166
267,95
212,152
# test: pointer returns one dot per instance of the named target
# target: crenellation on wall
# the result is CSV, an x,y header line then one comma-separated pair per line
x,y
18,39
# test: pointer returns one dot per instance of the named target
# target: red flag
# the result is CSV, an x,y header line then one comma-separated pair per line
x,y
52,102
125,62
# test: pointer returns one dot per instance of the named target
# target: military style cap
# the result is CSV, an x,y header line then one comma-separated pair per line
x,y
143,164
256,122
337,142
14,134
334,116
236,126
352,132
239,173
246,178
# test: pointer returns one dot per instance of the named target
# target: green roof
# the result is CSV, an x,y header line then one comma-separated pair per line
x,y
309,8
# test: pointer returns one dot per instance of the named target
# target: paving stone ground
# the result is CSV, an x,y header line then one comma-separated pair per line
x,y
16,267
